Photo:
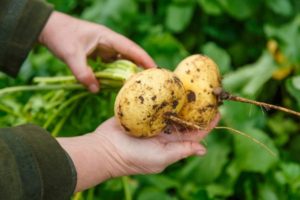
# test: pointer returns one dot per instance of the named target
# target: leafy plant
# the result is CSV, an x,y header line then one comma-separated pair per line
x,y
255,43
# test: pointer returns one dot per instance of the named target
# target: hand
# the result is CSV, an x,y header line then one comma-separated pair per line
x,y
132,155
109,152
73,40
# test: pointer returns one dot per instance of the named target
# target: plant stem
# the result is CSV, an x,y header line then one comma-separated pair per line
x,y
126,188
77,196
105,84
40,88
99,75
62,106
60,124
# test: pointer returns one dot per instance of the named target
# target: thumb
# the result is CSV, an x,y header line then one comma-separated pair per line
x,y
82,72
178,150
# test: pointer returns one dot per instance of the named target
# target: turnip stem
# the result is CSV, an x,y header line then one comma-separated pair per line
x,y
265,105
99,75
105,84
223,95
40,88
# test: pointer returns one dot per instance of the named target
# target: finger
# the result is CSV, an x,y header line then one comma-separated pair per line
x,y
83,73
131,51
178,150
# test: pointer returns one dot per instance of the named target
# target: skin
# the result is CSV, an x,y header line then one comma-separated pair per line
x,y
73,40
108,151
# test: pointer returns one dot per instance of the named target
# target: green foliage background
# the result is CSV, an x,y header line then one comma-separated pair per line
x,y
256,44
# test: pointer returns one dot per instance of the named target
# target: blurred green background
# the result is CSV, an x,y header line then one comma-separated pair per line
x,y
256,44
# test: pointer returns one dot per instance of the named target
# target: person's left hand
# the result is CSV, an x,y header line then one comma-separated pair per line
x,y
148,155
73,40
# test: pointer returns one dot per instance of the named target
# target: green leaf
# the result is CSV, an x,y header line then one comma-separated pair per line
x,y
211,7
293,87
240,9
267,192
166,50
282,127
288,36
214,190
116,14
152,193
179,16
219,55
206,169
162,182
281,7
251,78
248,115
252,157
63,6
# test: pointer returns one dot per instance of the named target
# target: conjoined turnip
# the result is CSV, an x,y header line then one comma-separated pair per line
x,y
189,97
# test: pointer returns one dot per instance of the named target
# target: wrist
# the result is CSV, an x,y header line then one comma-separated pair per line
x,y
90,159
55,23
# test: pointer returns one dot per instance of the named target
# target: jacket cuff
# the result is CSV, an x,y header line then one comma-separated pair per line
x,y
57,171
22,21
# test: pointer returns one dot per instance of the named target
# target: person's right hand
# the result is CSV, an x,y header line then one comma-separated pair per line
x,y
73,40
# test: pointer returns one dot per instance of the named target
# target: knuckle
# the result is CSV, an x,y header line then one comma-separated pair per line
x,y
69,53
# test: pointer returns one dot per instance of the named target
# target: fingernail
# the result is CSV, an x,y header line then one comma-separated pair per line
x,y
201,152
94,88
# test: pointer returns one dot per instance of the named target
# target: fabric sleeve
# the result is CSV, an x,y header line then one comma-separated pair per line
x,y
21,22
33,166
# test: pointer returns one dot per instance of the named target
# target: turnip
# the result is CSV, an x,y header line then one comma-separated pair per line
x,y
200,76
146,99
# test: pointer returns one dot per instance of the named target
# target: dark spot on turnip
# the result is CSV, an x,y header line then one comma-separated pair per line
x,y
177,81
174,104
162,105
125,127
191,96
153,98
138,81
142,99
154,106
188,71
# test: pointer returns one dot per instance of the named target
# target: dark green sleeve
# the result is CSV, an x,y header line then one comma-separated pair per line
x,y
21,22
33,166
